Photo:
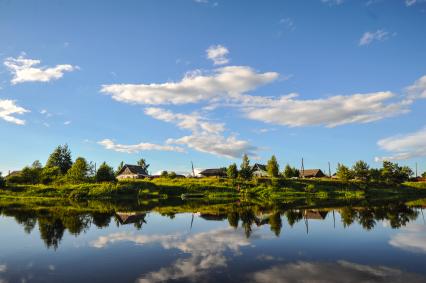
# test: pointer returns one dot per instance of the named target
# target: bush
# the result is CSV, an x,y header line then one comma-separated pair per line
x,y
2,181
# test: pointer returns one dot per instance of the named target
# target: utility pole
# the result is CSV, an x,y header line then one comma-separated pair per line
x,y
303,169
193,172
329,171
416,170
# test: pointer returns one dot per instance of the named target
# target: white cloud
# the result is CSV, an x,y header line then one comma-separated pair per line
x,y
418,89
411,238
288,23
109,144
218,54
332,2
8,109
340,271
3,267
206,136
404,146
332,111
222,83
25,70
409,3
370,36
66,123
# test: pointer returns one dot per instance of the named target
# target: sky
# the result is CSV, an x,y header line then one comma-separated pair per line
x,y
175,81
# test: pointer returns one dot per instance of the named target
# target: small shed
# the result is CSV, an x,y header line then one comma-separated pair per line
x,y
311,173
132,172
259,170
214,172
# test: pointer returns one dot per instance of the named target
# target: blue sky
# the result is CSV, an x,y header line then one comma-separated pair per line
x,y
205,81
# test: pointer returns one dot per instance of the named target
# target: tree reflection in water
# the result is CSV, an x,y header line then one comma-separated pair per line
x,y
53,221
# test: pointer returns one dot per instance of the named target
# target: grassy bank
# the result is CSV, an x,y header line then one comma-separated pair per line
x,y
265,189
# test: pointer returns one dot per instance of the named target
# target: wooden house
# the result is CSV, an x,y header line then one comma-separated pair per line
x,y
214,172
311,173
259,170
132,172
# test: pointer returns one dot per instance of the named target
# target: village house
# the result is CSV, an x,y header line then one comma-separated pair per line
x,y
214,172
311,173
132,172
259,170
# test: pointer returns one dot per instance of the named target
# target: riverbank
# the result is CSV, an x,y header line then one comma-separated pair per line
x,y
265,189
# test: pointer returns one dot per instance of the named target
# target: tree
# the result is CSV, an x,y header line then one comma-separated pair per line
x,y
31,174
361,170
343,172
375,175
424,175
60,157
50,174
172,175
164,174
290,172
232,171
79,171
245,171
392,173
120,166
2,181
142,163
105,173
273,167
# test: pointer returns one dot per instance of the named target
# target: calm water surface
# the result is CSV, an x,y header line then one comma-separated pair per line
x,y
234,244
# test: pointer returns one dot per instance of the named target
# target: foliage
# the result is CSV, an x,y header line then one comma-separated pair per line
x,y
290,172
50,174
164,174
232,171
343,172
79,171
119,167
172,175
392,173
142,163
105,173
273,167
361,170
2,181
245,171
424,175
60,157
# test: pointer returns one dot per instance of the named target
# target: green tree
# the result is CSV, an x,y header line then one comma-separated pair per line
x,y
290,172
2,181
32,174
120,166
172,175
424,175
50,174
164,174
273,167
361,170
375,175
142,163
105,173
232,171
245,171
392,173
343,172
79,171
60,157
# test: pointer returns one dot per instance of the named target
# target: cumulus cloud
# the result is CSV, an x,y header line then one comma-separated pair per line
x,y
206,136
26,70
404,147
411,238
135,148
340,271
8,109
409,3
418,89
370,36
195,87
332,111
218,54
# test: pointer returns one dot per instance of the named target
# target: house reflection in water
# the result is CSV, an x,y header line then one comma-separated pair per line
x,y
136,218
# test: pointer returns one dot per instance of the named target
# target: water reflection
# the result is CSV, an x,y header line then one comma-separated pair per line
x,y
53,221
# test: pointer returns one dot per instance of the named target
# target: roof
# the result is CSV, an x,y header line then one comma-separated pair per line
x,y
130,217
14,173
258,166
311,172
135,169
315,214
